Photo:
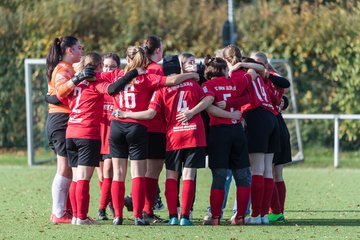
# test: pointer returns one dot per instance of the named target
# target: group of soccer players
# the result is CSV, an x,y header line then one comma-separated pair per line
x,y
102,116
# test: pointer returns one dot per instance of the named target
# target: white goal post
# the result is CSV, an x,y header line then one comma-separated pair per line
x,y
280,64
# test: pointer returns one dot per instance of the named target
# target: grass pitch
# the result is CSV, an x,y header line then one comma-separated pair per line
x,y
321,204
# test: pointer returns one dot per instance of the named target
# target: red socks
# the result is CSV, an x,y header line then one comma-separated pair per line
x,y
151,191
242,200
216,201
68,207
72,196
171,194
275,203
82,198
268,191
282,194
257,193
117,195
187,196
105,195
138,195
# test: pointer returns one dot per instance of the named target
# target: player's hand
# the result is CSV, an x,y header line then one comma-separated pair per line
x,y
184,116
190,68
233,68
221,104
119,114
252,73
141,71
87,73
236,115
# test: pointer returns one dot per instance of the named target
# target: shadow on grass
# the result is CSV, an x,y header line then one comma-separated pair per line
x,y
322,222
334,210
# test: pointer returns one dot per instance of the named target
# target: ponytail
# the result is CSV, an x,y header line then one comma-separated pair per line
x,y
214,67
56,53
150,44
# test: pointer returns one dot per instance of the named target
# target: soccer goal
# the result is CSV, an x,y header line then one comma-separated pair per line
x,y
283,67
38,150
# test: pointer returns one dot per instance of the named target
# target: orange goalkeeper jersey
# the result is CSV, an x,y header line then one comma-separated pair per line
x,y
57,86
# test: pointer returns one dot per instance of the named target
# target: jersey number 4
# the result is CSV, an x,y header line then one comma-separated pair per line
x,y
182,104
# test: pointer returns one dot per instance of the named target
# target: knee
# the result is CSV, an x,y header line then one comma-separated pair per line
x,y
242,177
219,178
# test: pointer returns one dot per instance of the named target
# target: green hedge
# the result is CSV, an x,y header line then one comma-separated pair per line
x,y
321,42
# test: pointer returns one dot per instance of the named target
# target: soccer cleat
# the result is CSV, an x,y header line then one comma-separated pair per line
x,y
253,220
212,221
208,216
128,203
86,221
185,222
173,221
141,222
233,216
112,210
73,220
154,218
102,214
65,219
158,204
276,218
118,221
265,219
237,221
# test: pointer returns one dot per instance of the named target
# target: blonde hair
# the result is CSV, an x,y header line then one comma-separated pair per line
x,y
92,59
264,59
232,54
138,58
219,53
183,58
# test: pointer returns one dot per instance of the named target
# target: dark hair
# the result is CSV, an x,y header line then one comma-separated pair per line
x,y
150,44
250,60
113,56
214,67
56,53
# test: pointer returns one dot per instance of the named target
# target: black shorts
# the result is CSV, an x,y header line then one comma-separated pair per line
x,y
262,131
284,156
188,157
228,147
84,152
56,124
128,140
156,145
105,156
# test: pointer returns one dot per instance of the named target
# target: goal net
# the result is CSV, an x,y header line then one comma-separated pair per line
x,y
283,68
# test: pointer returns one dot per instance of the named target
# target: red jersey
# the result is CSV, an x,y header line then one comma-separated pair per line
x,y
275,93
157,124
86,105
223,89
258,95
172,100
108,108
136,95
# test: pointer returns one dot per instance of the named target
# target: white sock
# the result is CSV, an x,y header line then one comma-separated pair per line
x,y
60,191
